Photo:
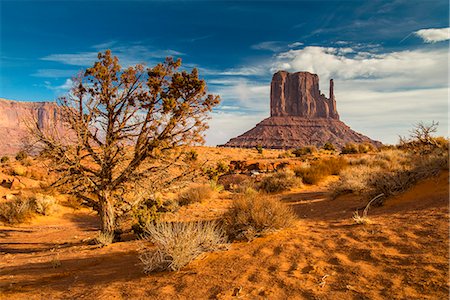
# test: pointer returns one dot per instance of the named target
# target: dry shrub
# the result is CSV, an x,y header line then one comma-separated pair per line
x,y
286,154
16,211
318,170
354,180
279,182
350,148
44,204
236,182
308,150
253,214
195,194
177,244
402,171
104,238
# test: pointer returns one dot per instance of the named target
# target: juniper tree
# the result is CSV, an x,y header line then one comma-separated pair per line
x,y
125,125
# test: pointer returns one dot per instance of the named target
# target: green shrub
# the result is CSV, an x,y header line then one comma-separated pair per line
x,y
21,155
329,146
213,173
279,182
259,148
253,214
350,148
191,155
149,211
177,244
304,151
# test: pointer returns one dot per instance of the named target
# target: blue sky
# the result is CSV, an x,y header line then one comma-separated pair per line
x,y
389,59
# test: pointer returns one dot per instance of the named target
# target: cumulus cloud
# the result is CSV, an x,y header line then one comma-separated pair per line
x,y
410,68
248,95
434,35
379,94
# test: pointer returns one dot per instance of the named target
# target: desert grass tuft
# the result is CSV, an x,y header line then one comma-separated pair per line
x,y
363,219
44,204
254,214
318,170
279,182
16,211
104,238
177,244
195,194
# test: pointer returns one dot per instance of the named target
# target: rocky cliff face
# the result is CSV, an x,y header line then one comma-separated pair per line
x,y
300,115
13,118
298,94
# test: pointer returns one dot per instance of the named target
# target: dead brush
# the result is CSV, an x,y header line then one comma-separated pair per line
x,y
16,211
195,194
254,214
318,170
363,219
44,204
177,244
279,182
104,238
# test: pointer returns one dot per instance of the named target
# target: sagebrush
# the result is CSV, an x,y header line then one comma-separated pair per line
x,y
253,214
177,244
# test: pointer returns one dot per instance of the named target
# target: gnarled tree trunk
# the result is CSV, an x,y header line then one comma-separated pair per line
x,y
107,215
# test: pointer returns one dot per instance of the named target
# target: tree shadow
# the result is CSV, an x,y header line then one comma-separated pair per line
x,y
320,206
86,272
83,222
25,247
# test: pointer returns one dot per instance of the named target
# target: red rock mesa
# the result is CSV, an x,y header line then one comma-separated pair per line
x,y
300,115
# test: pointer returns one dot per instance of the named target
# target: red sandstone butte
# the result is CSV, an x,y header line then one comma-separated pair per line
x,y
300,115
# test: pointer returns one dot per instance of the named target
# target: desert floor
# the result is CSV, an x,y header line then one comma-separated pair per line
x,y
402,255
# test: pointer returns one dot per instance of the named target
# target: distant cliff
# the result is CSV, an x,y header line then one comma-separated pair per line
x,y
13,118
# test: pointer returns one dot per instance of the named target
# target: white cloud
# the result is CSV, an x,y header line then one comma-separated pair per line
x,y
433,35
66,86
273,46
54,73
127,54
248,95
74,59
225,125
295,44
380,95
418,68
